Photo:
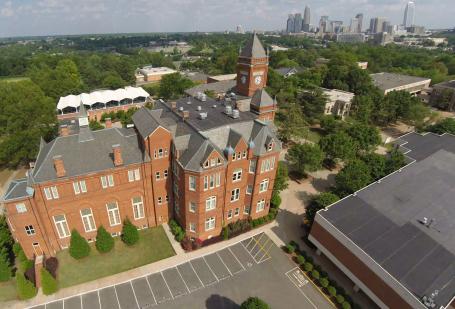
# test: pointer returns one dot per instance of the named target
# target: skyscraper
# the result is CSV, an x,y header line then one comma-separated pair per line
x,y
377,25
290,24
408,19
306,19
298,22
354,26
360,23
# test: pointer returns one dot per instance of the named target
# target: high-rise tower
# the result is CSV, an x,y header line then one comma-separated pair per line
x,y
409,11
360,23
306,19
290,24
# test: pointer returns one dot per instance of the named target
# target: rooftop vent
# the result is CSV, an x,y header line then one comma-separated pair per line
x,y
235,114
214,105
228,110
130,125
203,115
199,108
181,108
189,102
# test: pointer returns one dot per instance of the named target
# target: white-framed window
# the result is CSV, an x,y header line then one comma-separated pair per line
x,y
212,181
268,164
252,168
192,207
229,214
160,200
239,155
218,179
260,206
157,175
235,195
107,181
237,212
138,207
249,189
88,220
51,193
192,183
237,175
233,156
218,161
62,226
79,187
165,173
246,210
113,213
209,223
206,183
210,203
134,175
212,162
30,230
270,146
167,198
244,154
206,164
264,185
192,227
160,153
20,208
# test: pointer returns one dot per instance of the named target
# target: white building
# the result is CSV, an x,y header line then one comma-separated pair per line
x,y
409,11
338,102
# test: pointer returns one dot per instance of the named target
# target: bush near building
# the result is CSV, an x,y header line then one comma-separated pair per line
x,y
51,265
25,288
5,269
48,282
177,230
79,247
254,303
130,234
23,262
104,240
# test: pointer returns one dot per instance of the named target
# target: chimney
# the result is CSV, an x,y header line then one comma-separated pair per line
x,y
117,155
108,123
59,166
64,130
173,106
185,114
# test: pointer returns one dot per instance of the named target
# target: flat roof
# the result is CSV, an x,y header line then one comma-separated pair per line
x,y
386,81
448,84
385,218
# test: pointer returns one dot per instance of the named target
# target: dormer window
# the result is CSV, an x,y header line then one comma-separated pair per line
x,y
239,155
206,164
233,156
218,161
270,146
244,154
212,162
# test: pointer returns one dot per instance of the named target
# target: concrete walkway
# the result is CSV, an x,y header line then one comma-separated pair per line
x,y
175,244
135,273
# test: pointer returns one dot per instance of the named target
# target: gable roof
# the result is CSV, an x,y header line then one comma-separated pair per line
x,y
262,99
253,48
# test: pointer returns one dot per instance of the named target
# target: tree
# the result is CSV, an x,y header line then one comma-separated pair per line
x,y
367,137
446,125
353,177
113,81
26,115
338,145
281,178
79,247
313,103
305,157
173,85
318,202
104,240
254,303
48,282
362,108
376,163
66,79
95,125
330,124
25,288
6,240
293,124
359,81
5,268
395,161
130,234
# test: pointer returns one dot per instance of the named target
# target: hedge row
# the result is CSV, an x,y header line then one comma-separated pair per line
x,y
320,277
177,230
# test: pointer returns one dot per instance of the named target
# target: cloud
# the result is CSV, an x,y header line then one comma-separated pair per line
x,y
7,10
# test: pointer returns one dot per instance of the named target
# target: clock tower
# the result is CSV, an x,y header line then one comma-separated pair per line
x,y
252,67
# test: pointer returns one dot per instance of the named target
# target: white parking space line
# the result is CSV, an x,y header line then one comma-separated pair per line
x,y
238,261
249,253
150,287
210,269
251,239
299,287
196,274
116,296
189,292
221,259
99,300
172,295
134,293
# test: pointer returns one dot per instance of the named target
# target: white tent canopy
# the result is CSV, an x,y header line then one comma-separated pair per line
x,y
101,96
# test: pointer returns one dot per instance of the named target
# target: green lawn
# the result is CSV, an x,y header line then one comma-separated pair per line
x,y
152,246
8,290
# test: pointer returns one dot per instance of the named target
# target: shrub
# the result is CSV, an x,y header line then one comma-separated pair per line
x,y
308,267
51,264
254,303
48,282
346,305
130,234
30,274
187,244
300,259
5,269
315,274
275,201
177,230
324,282
79,247
290,249
225,233
332,290
17,248
104,240
340,298
25,288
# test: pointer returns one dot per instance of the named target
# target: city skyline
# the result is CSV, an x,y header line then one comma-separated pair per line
x,y
51,17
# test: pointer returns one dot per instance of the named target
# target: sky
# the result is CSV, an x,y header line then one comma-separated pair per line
x,y
51,17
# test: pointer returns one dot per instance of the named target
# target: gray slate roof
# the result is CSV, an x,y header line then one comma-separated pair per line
x,y
385,80
223,86
82,156
262,99
18,189
253,48
383,219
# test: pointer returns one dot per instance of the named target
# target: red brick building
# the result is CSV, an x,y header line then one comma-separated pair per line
x,y
205,163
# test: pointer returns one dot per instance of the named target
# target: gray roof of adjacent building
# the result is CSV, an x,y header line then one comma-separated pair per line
x,y
262,99
385,219
18,189
386,81
253,48
223,86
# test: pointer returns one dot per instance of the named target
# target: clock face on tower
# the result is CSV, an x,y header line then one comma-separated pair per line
x,y
257,80
243,79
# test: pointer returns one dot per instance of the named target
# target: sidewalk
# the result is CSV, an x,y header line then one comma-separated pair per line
x,y
177,259
175,244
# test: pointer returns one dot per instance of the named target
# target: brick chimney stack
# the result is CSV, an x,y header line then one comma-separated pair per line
x,y
59,166
185,114
64,130
117,155
108,123
173,105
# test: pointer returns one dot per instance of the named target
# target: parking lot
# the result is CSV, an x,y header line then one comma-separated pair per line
x,y
194,283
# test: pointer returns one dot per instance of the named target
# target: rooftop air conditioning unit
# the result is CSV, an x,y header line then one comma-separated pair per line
x,y
235,114
203,115
228,110
199,108
181,108
203,97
